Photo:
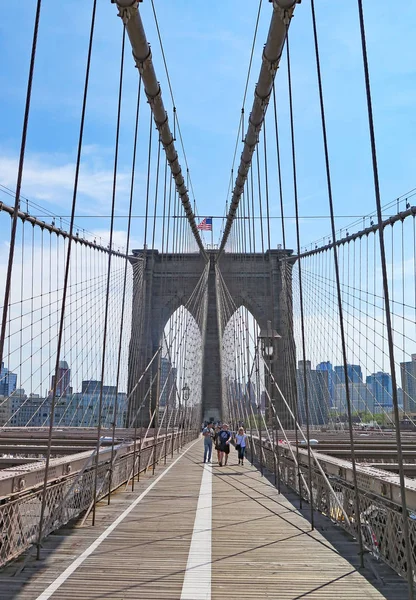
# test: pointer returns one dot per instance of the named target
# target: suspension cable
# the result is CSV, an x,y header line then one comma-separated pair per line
x,y
19,181
281,17
387,310
339,296
66,277
143,58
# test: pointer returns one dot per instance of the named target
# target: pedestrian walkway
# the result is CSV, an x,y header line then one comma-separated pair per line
x,y
194,532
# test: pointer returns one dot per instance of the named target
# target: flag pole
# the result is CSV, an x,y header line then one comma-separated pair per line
x,y
212,233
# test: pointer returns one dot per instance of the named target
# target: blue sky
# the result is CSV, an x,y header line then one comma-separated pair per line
x,y
207,46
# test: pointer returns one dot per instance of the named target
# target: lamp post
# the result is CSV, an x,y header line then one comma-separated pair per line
x,y
185,397
185,392
268,338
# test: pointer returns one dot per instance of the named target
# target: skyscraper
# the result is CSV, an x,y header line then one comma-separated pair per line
x,y
360,395
381,387
251,393
64,380
82,409
326,367
408,376
8,381
354,373
167,382
90,386
318,393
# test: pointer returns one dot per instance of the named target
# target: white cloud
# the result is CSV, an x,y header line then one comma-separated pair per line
x,y
50,178
119,239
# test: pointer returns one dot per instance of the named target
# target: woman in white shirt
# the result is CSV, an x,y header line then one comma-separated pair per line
x,y
241,445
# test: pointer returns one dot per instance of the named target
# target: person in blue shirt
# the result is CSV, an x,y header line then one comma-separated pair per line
x,y
224,439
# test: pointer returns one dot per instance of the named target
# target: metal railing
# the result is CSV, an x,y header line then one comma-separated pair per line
x,y
70,496
381,519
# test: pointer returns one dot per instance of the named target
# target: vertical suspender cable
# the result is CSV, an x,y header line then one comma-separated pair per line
x,y
7,288
276,459
282,14
390,340
133,167
149,162
279,171
302,320
142,55
260,207
107,293
338,284
66,277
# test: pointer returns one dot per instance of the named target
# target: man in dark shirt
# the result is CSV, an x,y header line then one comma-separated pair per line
x,y
224,444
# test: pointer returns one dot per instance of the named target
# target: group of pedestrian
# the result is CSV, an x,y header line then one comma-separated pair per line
x,y
221,437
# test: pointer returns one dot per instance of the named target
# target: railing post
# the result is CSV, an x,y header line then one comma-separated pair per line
x,y
134,460
260,438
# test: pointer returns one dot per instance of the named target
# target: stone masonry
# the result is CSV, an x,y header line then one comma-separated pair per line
x,y
259,282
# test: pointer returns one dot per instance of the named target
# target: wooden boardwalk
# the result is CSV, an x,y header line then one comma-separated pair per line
x,y
262,546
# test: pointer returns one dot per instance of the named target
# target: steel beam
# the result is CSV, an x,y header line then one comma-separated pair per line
x,y
281,17
129,13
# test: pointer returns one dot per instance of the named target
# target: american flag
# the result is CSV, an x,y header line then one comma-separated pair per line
x,y
206,224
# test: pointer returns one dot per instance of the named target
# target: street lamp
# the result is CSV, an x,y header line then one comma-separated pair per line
x,y
185,392
268,339
185,398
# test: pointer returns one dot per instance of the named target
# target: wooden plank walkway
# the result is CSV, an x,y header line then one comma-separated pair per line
x,y
262,546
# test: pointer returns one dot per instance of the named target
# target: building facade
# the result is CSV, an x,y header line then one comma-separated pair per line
x,y
408,377
8,381
63,384
354,374
381,387
317,384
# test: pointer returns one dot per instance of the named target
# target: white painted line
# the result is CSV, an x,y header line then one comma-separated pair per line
x,y
55,585
197,580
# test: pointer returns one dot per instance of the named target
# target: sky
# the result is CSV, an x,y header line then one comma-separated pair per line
x,y
207,47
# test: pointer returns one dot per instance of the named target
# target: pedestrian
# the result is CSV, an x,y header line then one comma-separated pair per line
x,y
217,441
241,445
208,433
224,444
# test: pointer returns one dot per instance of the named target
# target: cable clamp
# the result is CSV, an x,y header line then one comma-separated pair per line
x,y
152,98
161,124
143,64
169,143
257,128
272,65
251,147
127,12
264,100
285,12
242,171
